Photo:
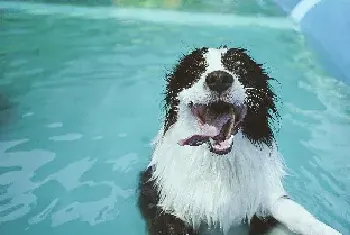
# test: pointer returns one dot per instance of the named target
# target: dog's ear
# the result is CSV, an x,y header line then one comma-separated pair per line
x,y
261,100
262,113
184,74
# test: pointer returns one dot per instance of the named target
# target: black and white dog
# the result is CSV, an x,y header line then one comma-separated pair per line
x,y
215,160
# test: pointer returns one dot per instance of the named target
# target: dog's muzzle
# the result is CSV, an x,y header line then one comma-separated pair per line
x,y
219,122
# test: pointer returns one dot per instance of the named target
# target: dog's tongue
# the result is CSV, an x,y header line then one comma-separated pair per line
x,y
210,129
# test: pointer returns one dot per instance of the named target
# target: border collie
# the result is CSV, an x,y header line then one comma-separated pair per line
x,y
215,160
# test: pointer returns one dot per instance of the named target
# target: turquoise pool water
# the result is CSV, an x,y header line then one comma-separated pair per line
x,y
80,93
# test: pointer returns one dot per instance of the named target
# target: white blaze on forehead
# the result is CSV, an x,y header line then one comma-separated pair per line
x,y
213,59
198,93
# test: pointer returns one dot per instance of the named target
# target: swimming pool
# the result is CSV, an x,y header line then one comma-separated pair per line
x,y
80,102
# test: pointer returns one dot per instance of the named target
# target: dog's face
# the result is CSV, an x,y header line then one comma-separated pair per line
x,y
224,90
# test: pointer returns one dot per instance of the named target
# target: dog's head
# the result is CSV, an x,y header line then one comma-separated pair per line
x,y
222,90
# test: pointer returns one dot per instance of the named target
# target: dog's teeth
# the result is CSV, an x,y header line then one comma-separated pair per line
x,y
231,138
212,142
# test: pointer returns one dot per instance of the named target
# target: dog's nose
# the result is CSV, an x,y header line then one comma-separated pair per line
x,y
219,81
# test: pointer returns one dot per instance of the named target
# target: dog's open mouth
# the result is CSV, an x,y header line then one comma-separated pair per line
x,y
219,122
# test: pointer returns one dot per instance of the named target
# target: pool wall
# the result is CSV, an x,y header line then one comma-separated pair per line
x,y
326,25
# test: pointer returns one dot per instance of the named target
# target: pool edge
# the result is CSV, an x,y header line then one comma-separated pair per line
x,y
317,29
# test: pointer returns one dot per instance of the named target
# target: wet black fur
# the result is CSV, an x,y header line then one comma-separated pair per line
x,y
185,73
258,124
257,127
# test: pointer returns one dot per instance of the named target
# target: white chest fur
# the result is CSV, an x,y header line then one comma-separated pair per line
x,y
198,186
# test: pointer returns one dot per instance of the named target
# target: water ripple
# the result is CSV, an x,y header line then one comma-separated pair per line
x,y
125,162
67,137
19,185
55,125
